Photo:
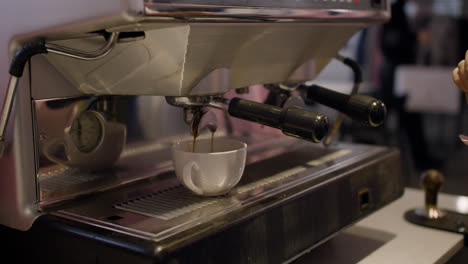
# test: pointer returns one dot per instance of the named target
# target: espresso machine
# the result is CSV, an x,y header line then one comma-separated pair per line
x,y
98,91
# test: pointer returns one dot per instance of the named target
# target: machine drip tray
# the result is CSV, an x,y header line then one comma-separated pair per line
x,y
175,201
283,205
166,204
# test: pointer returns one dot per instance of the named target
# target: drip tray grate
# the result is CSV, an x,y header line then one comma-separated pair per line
x,y
166,204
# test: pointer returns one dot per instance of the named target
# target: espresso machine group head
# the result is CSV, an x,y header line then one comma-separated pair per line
x,y
293,121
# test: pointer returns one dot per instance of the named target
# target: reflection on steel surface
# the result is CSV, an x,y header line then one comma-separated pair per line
x,y
267,11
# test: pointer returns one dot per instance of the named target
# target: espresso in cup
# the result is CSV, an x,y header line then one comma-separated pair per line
x,y
212,169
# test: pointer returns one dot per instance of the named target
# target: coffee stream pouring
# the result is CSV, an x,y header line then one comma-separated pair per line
x,y
212,127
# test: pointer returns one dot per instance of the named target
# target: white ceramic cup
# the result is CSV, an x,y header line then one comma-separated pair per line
x,y
209,173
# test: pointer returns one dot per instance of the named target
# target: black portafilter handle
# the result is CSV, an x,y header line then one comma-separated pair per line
x,y
361,108
292,121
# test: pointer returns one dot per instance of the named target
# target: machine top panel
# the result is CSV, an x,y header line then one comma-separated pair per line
x,y
271,11
313,4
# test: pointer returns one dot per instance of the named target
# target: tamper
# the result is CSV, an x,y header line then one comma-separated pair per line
x,y
431,216
431,181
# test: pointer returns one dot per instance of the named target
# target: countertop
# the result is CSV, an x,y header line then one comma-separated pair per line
x,y
386,237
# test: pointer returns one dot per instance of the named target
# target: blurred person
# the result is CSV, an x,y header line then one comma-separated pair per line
x,y
398,44
460,75
402,43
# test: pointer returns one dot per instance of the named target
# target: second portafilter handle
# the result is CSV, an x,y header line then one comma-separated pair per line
x,y
362,108
292,121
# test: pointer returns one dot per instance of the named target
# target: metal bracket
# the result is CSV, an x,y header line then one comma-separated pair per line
x,y
31,49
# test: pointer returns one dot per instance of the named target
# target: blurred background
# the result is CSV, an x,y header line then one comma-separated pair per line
x,y
407,63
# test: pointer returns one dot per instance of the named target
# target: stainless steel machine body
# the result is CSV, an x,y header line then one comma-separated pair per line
x,y
119,178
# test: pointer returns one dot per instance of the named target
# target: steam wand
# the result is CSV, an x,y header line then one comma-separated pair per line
x,y
357,82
